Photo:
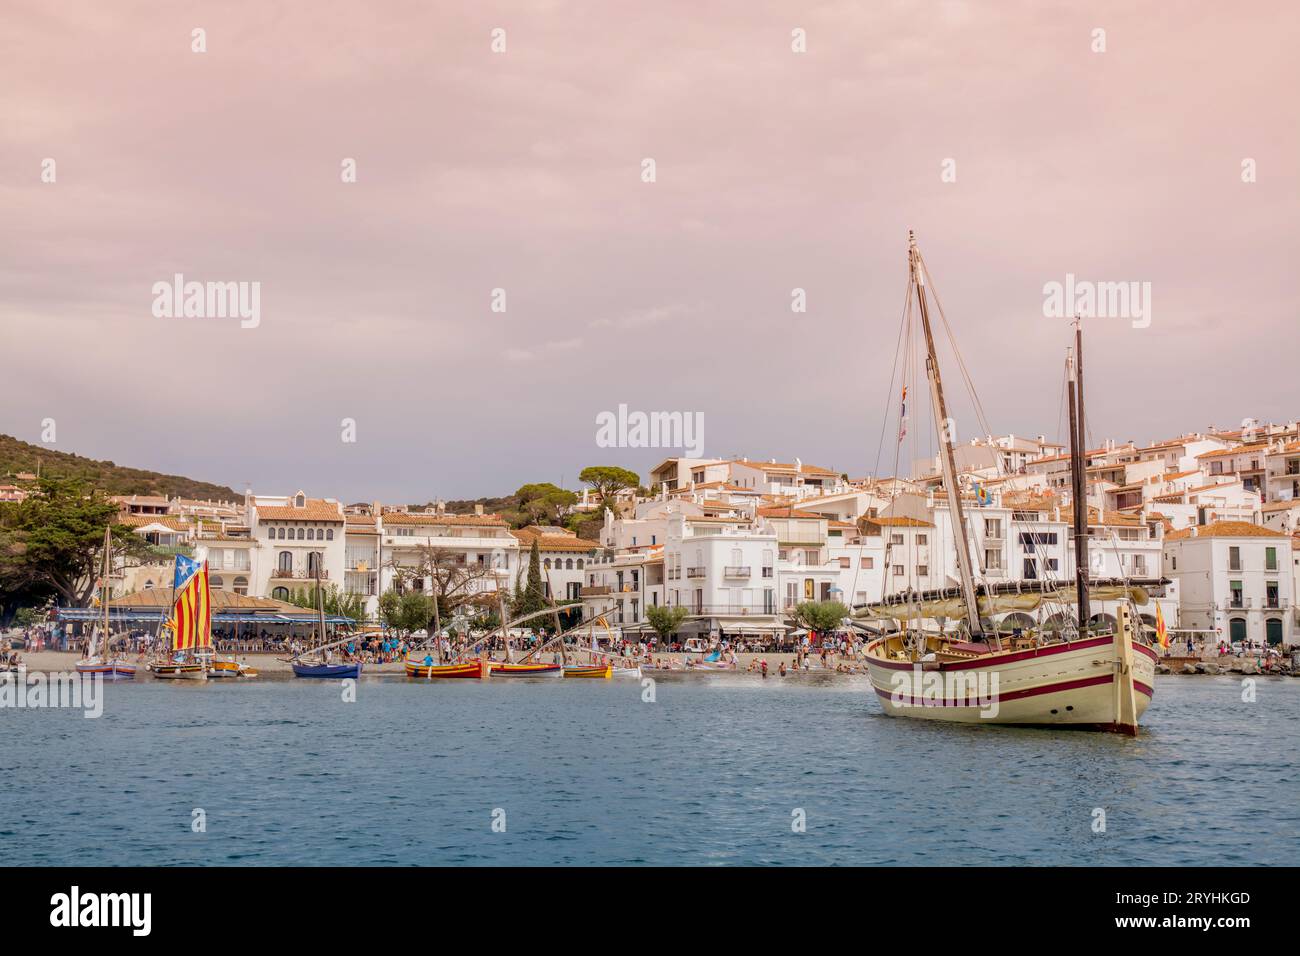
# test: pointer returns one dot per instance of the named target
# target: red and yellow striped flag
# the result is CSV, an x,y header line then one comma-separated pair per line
x,y
191,620
1162,632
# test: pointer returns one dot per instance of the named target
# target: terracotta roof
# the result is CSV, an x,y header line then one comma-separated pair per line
x,y
1238,450
175,522
555,542
402,518
315,509
785,467
900,521
1226,529
781,511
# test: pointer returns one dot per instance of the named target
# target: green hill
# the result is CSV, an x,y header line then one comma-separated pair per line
x,y
19,456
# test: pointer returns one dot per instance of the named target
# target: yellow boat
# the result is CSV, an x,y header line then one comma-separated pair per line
x,y
467,670
589,670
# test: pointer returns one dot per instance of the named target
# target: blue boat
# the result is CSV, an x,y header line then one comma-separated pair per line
x,y
321,669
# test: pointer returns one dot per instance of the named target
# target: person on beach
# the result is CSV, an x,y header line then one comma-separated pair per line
x,y
781,670
765,668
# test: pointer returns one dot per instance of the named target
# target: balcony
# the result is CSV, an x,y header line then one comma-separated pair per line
x,y
738,571
596,590
298,574
695,572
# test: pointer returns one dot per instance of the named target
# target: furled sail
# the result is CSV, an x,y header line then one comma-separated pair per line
x,y
1000,599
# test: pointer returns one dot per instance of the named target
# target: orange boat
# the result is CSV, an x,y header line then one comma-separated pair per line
x,y
470,670
504,669
589,670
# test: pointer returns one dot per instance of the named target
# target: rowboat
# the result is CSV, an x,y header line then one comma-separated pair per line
x,y
317,667
628,671
504,669
226,668
466,670
589,670
112,669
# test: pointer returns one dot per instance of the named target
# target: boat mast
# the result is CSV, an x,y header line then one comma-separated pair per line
x,y
108,545
320,610
1078,479
946,459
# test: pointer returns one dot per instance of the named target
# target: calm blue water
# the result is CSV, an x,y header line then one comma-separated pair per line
x,y
589,774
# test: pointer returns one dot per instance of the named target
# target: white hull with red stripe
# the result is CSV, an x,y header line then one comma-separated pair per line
x,y
1067,684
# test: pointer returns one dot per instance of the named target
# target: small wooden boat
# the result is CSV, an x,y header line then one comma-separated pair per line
x,y
628,671
112,669
467,670
505,669
317,667
589,670
99,661
229,668
178,670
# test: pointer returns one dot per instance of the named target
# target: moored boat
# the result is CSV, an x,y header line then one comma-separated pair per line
x,y
100,661
111,669
506,669
589,670
627,671
468,670
972,673
178,669
319,667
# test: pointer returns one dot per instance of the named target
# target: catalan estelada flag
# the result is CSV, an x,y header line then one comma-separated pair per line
x,y
191,620
1162,632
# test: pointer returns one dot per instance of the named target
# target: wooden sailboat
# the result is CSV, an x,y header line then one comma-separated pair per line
x,y
512,668
317,662
1076,680
190,625
100,660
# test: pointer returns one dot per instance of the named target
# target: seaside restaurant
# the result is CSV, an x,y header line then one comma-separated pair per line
x,y
239,622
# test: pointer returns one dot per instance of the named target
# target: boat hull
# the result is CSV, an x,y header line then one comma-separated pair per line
x,y
179,671
1070,685
502,669
598,671
469,670
327,671
627,672
109,670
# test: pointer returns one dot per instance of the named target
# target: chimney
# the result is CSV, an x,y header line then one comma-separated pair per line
x,y
798,465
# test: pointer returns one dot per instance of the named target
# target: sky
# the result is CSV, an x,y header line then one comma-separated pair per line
x,y
1017,150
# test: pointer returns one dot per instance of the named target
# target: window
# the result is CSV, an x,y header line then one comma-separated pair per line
x,y
993,559
895,539
920,539
993,527
1235,590
285,561
1270,559
280,536
216,583
867,563
1271,594
270,532
580,564
898,570
300,534
1234,558
547,564
845,563
311,534
568,564
922,570
280,594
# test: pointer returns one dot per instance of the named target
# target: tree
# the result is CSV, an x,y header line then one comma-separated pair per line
x,y
534,595
544,502
665,620
404,613
336,601
608,481
51,544
821,616
455,581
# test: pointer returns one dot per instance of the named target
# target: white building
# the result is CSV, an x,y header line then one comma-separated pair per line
x,y
1234,578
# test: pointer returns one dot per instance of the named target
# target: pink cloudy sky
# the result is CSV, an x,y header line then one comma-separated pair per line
x,y
521,170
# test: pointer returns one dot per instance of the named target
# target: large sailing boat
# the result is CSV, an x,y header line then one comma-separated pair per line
x,y
1075,678
98,659
189,628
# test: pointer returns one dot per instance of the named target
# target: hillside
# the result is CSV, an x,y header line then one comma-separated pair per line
x,y
18,456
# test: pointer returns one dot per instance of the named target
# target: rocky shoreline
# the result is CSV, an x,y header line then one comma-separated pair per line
x,y
1283,667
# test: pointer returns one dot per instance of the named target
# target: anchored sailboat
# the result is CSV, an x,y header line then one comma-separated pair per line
x,y
972,675
318,660
190,625
99,660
